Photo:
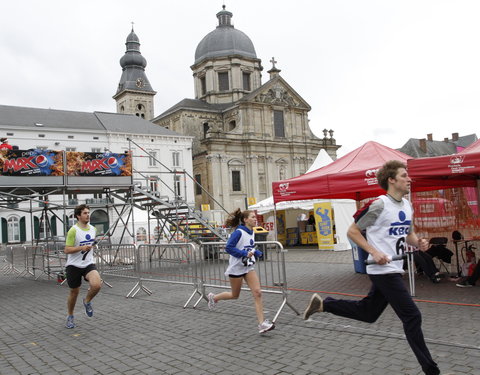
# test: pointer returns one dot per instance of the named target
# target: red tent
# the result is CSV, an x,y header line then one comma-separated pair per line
x,y
352,176
440,172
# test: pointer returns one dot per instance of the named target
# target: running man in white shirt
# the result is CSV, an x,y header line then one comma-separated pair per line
x,y
388,223
80,262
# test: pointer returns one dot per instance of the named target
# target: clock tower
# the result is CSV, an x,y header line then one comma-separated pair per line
x,y
134,93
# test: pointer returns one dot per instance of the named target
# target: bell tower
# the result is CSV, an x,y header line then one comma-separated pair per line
x,y
134,93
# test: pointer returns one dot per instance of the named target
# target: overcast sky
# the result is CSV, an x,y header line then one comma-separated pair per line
x,y
371,70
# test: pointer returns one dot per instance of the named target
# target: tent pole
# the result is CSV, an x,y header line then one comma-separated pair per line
x,y
275,220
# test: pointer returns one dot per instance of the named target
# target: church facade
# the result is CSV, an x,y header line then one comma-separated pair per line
x,y
246,134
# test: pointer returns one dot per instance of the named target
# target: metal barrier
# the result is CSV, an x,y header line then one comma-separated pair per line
x,y
15,257
271,270
167,263
49,259
117,260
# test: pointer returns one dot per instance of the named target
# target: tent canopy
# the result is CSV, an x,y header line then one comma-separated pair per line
x,y
353,176
321,160
440,172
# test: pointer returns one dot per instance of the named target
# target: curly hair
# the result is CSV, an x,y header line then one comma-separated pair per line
x,y
237,217
78,210
388,170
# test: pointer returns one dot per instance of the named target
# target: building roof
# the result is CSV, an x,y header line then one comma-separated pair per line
x,y
225,40
195,105
25,117
421,148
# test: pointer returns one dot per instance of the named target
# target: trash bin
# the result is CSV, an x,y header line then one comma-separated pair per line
x,y
359,257
261,235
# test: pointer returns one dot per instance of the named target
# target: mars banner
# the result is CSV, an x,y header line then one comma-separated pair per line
x,y
31,163
98,164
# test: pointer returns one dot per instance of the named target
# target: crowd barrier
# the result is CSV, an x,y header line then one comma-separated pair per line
x,y
201,267
270,269
173,263
35,260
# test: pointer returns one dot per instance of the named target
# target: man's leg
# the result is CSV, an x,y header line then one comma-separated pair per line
x,y
367,309
72,300
393,288
95,281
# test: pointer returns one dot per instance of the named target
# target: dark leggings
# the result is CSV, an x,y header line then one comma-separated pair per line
x,y
388,289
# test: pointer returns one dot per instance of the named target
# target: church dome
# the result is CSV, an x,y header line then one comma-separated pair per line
x,y
225,40
132,56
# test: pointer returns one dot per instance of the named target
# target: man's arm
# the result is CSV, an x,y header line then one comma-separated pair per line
x,y
70,247
355,234
420,243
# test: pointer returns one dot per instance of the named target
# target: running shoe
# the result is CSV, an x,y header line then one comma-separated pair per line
x,y
464,284
88,308
70,323
211,301
266,326
315,305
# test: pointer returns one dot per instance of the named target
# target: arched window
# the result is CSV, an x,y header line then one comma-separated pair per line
x,y
205,129
99,219
231,125
13,229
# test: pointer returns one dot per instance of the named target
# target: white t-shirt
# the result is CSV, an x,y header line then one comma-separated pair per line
x,y
387,224
77,236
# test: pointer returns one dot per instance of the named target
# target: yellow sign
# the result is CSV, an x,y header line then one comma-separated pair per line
x,y
324,225
205,207
251,201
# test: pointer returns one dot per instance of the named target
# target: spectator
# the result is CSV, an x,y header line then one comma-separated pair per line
x,y
5,144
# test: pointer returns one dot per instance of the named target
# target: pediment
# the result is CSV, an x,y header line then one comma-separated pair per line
x,y
277,92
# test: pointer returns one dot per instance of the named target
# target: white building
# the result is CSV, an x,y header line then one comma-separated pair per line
x,y
97,132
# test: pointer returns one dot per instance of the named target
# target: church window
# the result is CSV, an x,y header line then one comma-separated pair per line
x,y
236,182
278,124
140,107
13,229
205,129
122,109
198,179
142,115
203,85
246,81
231,125
223,81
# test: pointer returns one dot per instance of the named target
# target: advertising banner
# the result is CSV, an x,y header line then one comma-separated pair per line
x,y
324,225
31,163
98,164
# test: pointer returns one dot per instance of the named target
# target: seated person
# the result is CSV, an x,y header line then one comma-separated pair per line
x,y
424,262
470,280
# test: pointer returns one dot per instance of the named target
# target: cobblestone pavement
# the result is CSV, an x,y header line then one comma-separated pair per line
x,y
155,335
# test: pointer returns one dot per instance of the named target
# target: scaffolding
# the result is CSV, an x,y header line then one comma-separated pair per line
x,y
175,219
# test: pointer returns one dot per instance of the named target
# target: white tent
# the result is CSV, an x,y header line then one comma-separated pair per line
x,y
343,208
320,161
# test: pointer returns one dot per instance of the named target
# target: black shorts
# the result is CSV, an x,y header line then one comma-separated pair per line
x,y
237,276
74,275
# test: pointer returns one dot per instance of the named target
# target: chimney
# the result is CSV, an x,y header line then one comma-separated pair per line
x,y
454,137
430,137
423,144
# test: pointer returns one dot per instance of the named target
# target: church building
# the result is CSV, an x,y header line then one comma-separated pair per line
x,y
246,134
